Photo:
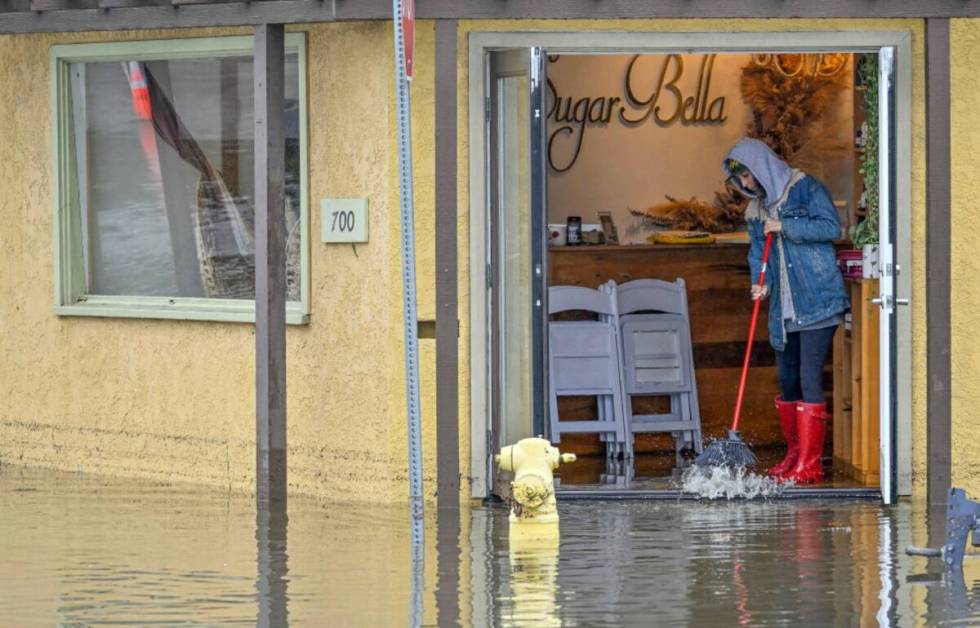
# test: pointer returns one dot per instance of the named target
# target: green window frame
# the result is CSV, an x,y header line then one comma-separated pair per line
x,y
71,296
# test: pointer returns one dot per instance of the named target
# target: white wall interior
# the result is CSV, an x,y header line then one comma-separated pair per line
x,y
622,165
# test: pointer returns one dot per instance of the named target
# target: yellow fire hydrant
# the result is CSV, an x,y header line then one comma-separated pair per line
x,y
532,460
534,542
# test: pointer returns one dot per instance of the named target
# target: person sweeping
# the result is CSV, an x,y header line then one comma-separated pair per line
x,y
807,300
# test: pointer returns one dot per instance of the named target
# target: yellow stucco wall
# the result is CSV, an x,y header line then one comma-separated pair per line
x,y
965,266
174,400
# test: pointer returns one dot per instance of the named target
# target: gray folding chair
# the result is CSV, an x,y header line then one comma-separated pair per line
x,y
605,406
658,360
584,359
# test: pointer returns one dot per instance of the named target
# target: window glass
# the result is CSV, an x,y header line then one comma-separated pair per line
x,y
161,167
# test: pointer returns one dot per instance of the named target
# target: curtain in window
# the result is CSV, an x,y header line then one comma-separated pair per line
x,y
224,229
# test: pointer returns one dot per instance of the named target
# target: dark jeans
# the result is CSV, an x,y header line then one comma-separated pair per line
x,y
800,364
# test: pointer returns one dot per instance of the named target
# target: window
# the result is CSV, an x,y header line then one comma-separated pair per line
x,y
155,156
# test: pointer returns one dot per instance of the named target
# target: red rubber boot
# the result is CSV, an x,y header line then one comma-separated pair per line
x,y
787,420
811,423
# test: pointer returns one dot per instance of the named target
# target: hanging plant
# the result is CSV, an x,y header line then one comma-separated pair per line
x,y
793,99
866,231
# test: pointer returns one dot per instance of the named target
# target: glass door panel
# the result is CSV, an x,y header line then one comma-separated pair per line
x,y
516,200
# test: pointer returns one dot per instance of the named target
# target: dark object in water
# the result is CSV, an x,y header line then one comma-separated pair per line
x,y
727,452
962,519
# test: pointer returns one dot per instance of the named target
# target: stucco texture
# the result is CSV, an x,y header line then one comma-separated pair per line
x,y
964,263
174,400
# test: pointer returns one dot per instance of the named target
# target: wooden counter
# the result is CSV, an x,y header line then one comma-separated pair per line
x,y
717,278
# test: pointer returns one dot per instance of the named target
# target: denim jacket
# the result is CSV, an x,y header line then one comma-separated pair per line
x,y
810,226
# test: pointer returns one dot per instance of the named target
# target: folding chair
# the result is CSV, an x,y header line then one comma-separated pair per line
x,y
658,360
584,359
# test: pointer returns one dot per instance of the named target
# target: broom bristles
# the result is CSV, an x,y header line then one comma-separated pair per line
x,y
727,452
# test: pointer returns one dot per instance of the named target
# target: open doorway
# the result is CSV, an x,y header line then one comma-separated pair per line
x,y
630,155
636,191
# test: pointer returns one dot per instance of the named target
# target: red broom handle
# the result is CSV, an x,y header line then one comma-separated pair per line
x,y
748,348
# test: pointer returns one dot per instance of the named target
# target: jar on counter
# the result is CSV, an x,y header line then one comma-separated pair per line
x,y
573,231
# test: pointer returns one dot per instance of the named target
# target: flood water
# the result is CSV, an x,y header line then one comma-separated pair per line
x,y
79,550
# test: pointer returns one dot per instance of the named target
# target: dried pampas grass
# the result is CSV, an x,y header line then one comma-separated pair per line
x,y
690,215
791,112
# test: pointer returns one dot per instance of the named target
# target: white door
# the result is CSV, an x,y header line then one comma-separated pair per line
x,y
888,272
516,270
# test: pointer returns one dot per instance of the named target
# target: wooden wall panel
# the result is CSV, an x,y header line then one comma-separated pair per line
x,y
717,279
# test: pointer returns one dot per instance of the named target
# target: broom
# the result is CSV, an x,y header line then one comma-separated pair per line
x,y
732,451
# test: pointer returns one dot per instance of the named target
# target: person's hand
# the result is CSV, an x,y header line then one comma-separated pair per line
x,y
759,292
773,226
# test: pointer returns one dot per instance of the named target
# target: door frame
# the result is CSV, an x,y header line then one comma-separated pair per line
x,y
610,42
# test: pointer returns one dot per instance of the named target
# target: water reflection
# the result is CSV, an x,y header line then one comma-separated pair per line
x,y
947,593
449,556
271,585
80,550
533,583
960,605
417,571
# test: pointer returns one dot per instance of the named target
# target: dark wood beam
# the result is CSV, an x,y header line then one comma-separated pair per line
x,y
587,9
447,321
122,4
210,2
63,5
175,16
938,306
270,266
298,11
9,6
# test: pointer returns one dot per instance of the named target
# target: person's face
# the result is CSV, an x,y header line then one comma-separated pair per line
x,y
748,181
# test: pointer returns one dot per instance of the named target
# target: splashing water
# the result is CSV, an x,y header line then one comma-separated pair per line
x,y
728,483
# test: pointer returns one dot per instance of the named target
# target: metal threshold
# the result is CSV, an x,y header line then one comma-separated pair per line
x,y
623,494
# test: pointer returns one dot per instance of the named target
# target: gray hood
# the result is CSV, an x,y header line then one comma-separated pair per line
x,y
772,173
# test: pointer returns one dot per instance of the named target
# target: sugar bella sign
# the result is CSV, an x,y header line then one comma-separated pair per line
x,y
658,97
